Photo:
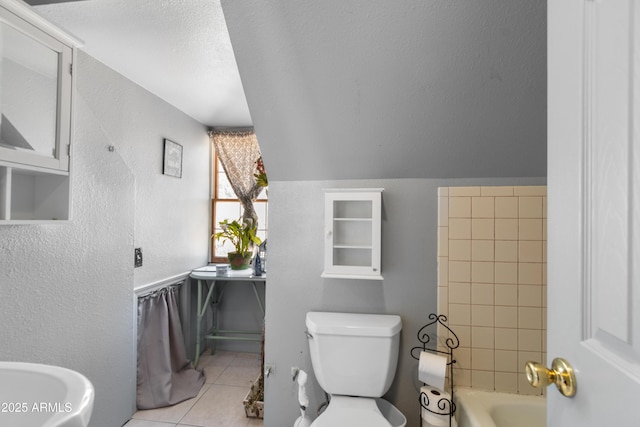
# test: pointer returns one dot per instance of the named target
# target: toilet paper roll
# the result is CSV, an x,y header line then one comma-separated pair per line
x,y
432,369
454,423
426,423
437,401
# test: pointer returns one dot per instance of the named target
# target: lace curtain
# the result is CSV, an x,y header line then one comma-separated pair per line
x,y
238,152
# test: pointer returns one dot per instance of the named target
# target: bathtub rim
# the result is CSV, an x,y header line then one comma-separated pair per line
x,y
477,404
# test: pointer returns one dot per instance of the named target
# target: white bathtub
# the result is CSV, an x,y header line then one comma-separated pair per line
x,y
476,408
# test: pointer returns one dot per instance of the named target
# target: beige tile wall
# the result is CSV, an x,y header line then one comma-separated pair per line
x,y
492,282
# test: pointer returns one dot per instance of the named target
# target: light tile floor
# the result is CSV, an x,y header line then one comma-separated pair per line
x,y
219,403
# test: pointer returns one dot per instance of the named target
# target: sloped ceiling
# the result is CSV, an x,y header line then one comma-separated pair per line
x,y
177,49
351,89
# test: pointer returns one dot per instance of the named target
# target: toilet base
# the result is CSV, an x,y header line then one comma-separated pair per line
x,y
347,411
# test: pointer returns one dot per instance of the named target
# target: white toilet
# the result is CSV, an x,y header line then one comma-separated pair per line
x,y
354,358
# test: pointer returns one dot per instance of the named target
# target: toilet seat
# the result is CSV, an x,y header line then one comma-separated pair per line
x,y
347,411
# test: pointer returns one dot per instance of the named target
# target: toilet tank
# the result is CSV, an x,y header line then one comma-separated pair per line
x,y
354,354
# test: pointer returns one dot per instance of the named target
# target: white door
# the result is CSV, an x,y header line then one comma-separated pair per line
x,y
594,209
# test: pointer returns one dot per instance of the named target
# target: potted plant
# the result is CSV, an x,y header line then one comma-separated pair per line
x,y
254,400
242,235
261,175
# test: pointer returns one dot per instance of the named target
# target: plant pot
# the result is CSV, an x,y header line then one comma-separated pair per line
x,y
254,400
239,261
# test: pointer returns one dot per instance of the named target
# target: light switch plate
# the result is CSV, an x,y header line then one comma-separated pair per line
x,y
137,257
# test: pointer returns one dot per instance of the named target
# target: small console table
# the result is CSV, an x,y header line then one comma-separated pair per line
x,y
207,278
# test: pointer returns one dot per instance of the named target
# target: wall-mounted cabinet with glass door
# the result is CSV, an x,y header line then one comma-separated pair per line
x,y
36,87
353,233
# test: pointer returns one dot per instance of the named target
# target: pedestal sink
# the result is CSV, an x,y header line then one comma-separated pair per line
x,y
35,395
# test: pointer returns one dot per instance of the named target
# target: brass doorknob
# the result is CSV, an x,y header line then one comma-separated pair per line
x,y
561,374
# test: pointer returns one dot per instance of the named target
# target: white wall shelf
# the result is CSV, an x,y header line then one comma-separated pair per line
x,y
27,195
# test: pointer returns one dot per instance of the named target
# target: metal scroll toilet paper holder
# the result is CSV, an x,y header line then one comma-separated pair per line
x,y
448,342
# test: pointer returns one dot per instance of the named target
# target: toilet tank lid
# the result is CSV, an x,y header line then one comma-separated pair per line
x,y
353,324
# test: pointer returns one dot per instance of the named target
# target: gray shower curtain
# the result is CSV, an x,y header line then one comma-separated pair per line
x,y
165,375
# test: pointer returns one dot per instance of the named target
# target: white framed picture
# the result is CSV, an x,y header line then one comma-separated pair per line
x,y
172,159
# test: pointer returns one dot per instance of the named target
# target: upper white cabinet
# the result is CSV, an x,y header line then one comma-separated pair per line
x,y
36,91
353,233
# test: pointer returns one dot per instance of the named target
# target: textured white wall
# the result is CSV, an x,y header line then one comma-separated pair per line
x,y
171,215
66,290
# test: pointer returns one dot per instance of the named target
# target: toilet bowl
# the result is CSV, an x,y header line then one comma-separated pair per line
x,y
354,358
347,411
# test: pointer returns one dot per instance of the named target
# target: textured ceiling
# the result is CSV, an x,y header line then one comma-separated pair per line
x,y
177,49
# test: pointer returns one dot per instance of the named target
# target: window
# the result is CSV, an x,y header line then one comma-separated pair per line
x,y
225,205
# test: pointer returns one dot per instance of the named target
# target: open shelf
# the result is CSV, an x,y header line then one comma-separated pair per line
x,y
28,195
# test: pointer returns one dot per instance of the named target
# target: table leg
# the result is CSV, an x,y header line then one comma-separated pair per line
x,y
202,309
255,291
214,316
198,319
